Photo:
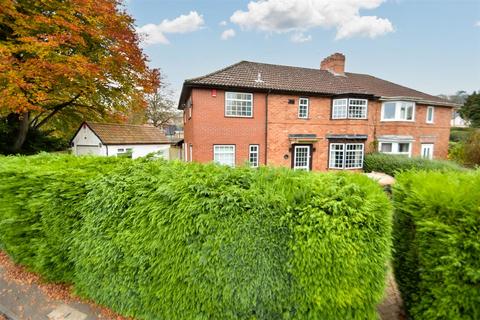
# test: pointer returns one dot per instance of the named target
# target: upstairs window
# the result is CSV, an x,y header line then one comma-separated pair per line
x,y
350,109
398,111
303,108
238,104
430,112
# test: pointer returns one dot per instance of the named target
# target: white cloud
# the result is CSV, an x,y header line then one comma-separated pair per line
x,y
300,37
477,24
223,23
298,16
156,33
227,34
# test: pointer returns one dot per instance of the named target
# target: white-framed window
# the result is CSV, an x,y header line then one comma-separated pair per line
x,y
393,147
238,104
430,114
224,154
253,155
190,112
350,108
125,152
191,152
398,111
346,155
303,108
427,151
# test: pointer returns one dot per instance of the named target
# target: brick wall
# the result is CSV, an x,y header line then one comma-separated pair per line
x,y
209,126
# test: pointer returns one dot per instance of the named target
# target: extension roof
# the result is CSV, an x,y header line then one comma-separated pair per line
x,y
265,77
117,134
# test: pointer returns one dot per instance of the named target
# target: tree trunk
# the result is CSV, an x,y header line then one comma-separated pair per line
x,y
24,124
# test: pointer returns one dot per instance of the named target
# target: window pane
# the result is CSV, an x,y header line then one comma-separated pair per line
x,y
238,104
389,110
224,154
403,147
303,108
354,155
336,155
430,114
339,110
409,108
301,158
253,156
357,108
385,147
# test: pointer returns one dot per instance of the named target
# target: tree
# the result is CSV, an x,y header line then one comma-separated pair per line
x,y
161,107
470,110
68,57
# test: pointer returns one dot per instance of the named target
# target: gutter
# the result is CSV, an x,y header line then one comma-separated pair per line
x,y
424,101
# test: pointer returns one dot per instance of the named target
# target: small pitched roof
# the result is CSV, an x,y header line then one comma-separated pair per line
x,y
114,133
263,77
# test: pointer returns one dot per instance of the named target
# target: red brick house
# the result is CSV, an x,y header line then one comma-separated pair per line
x,y
311,119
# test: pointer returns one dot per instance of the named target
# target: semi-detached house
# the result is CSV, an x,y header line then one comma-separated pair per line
x,y
308,119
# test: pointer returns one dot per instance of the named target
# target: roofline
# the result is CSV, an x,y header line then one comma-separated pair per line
x,y
187,87
79,128
139,143
419,100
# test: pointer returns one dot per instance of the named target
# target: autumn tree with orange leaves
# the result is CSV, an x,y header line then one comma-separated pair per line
x,y
61,58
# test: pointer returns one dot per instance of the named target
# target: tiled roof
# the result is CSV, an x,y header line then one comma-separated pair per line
x,y
264,76
114,133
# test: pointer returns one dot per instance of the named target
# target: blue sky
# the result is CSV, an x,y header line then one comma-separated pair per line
x,y
429,45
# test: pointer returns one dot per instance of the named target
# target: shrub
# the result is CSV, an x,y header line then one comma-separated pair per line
x,y
393,164
459,134
171,240
437,244
39,198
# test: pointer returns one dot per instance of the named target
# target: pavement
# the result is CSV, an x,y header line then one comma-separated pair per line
x,y
24,296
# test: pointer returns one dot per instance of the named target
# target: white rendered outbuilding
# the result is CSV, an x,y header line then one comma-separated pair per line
x,y
112,139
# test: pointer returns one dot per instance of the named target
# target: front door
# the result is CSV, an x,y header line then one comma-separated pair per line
x,y
427,150
301,157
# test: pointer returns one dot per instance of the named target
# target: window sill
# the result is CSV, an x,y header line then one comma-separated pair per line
x,y
245,117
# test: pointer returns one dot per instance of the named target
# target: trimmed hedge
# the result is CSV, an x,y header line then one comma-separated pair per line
x,y
437,244
171,240
39,199
394,164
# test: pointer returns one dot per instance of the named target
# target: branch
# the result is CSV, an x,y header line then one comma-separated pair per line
x,y
55,110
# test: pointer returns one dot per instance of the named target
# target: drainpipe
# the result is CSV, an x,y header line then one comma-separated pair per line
x,y
266,126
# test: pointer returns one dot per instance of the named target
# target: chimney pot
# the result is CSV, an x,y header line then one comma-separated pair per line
x,y
334,63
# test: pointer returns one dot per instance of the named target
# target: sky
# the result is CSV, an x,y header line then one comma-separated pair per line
x,y
429,45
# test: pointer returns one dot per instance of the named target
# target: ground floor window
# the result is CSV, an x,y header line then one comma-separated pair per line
x,y
253,155
398,148
301,157
125,152
427,151
224,154
346,155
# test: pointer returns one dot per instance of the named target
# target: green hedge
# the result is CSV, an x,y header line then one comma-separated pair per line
x,y
437,244
39,199
394,164
171,240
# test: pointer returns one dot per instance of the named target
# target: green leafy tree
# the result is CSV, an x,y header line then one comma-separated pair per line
x,y
470,111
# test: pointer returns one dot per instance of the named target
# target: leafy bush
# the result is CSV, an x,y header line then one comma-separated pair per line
x,y
39,198
393,164
437,244
459,134
171,240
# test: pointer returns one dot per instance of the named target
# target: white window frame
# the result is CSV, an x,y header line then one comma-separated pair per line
x,y
217,152
395,147
347,103
241,100
305,103
190,149
398,105
309,155
432,109
254,150
431,146
345,151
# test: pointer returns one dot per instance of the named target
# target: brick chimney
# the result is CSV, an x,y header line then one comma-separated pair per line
x,y
334,63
